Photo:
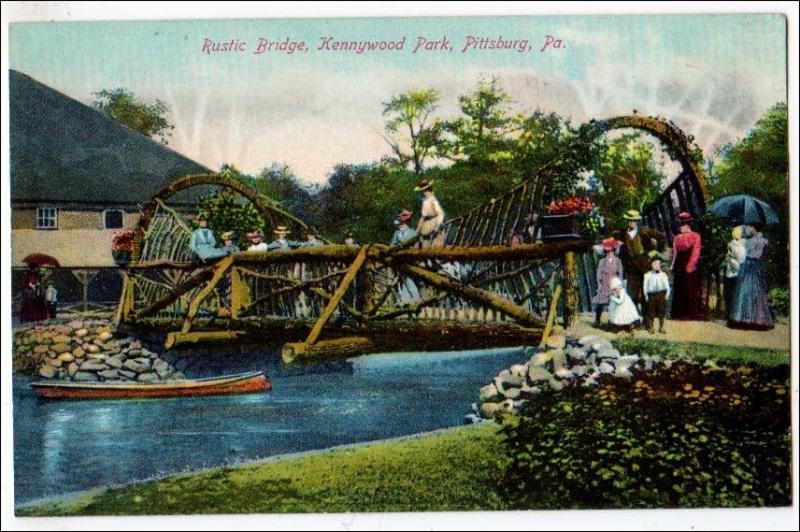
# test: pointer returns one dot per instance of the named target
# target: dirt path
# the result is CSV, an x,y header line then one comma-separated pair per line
x,y
704,332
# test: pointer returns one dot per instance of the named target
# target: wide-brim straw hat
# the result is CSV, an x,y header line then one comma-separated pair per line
x,y
653,255
423,185
632,214
609,244
404,216
253,234
201,218
282,230
228,235
686,217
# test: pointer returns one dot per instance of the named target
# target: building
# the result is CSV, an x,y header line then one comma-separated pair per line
x,y
77,177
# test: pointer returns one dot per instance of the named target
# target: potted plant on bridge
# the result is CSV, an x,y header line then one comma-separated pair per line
x,y
121,244
570,218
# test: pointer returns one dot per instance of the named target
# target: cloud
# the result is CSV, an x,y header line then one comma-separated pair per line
x,y
313,120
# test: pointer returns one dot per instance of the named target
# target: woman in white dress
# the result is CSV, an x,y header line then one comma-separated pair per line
x,y
622,312
431,217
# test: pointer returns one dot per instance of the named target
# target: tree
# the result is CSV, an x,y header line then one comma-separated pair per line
x,y
123,107
481,134
279,183
227,211
413,136
627,177
758,165
547,145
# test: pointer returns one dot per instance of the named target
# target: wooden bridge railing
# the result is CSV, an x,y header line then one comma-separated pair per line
x,y
364,285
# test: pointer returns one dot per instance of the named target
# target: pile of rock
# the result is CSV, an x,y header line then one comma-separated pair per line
x,y
87,351
568,362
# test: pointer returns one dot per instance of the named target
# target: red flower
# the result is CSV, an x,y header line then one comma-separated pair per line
x,y
571,205
122,240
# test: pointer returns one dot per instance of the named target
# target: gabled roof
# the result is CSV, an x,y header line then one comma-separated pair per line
x,y
63,151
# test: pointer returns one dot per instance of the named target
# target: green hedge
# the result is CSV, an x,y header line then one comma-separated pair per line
x,y
689,436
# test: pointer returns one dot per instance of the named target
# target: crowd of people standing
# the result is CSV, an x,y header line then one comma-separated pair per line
x,y
635,291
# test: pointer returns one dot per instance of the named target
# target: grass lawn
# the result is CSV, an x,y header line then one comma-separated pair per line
x,y
703,352
454,470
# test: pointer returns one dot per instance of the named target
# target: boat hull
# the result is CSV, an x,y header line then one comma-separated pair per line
x,y
233,384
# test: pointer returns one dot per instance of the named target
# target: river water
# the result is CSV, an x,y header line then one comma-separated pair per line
x,y
65,446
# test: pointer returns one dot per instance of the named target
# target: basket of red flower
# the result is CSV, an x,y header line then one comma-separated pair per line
x,y
121,245
566,218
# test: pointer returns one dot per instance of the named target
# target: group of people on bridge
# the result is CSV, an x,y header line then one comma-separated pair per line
x,y
631,283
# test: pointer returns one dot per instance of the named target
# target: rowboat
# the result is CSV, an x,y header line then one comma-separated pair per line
x,y
251,382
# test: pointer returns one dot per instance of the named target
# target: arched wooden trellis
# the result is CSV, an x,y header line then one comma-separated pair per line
x,y
267,208
687,192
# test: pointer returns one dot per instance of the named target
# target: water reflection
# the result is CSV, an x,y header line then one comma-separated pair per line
x,y
68,446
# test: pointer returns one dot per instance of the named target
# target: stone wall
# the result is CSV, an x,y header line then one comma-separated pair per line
x,y
567,362
86,351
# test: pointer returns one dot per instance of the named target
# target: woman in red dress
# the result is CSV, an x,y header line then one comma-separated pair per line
x,y
687,300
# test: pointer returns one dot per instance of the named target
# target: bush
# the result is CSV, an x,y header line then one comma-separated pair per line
x,y
687,436
779,301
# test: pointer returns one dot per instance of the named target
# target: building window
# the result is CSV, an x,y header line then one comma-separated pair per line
x,y
46,218
112,219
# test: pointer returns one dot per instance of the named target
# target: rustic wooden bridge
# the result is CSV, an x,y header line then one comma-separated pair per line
x,y
480,289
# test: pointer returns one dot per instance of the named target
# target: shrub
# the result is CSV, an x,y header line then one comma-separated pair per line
x,y
687,436
779,301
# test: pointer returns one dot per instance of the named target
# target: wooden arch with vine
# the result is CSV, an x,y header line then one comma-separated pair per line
x,y
678,145
267,208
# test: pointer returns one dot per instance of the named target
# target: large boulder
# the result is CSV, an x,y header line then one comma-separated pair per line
x,y
162,368
115,361
139,365
80,333
511,393
62,339
490,410
47,371
84,376
93,365
72,368
539,374
506,379
147,377
488,393
540,359
109,374
127,373
78,352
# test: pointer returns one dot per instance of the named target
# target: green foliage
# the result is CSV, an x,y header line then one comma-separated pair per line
x,y
716,235
684,437
413,137
780,301
480,135
280,184
123,107
758,165
627,177
562,155
227,211
703,352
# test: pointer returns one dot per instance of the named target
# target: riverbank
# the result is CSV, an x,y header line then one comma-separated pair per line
x,y
450,470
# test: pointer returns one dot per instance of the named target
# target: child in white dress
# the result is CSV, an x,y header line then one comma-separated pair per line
x,y
622,312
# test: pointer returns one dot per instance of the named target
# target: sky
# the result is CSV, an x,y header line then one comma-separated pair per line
x,y
713,75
